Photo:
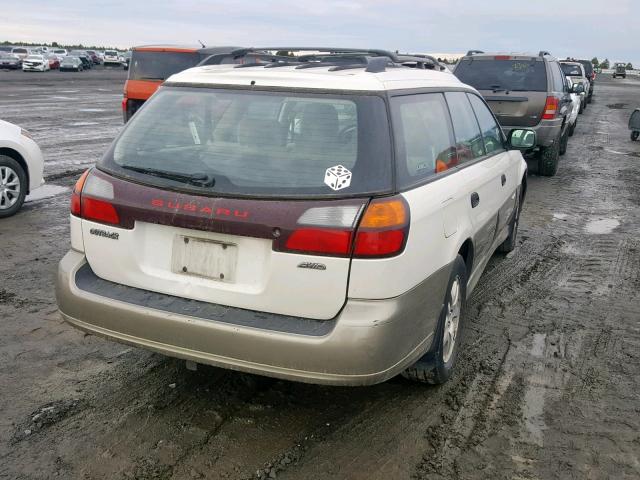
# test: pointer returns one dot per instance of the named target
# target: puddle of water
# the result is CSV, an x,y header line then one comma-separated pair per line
x,y
599,227
560,216
46,191
83,124
537,347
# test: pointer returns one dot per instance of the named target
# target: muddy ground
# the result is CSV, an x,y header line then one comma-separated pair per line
x,y
548,385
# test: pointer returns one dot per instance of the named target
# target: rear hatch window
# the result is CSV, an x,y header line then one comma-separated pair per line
x,y
146,65
588,66
222,142
571,70
503,75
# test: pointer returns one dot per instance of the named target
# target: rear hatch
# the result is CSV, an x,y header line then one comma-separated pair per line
x,y
149,68
242,198
514,87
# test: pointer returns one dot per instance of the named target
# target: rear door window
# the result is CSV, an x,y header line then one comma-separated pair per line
x,y
491,132
557,77
254,143
424,137
469,141
146,65
503,75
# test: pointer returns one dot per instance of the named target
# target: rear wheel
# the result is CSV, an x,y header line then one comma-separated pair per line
x,y
572,128
548,159
437,366
634,135
13,186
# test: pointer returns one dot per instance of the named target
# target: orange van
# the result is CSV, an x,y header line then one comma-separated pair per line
x,y
153,64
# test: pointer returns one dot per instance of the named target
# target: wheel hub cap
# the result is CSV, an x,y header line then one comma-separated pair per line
x,y
9,187
451,321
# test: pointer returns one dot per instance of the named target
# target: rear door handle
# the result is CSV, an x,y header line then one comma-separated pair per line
x,y
475,199
503,179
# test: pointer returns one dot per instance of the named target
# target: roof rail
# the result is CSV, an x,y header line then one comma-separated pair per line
x,y
470,53
543,53
372,60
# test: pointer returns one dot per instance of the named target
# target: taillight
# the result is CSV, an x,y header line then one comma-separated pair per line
x,y
77,192
320,241
550,108
334,231
90,200
124,108
383,229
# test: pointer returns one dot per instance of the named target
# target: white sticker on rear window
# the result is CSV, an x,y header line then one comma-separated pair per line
x,y
194,133
337,177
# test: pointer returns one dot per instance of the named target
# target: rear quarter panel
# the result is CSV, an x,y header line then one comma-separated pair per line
x,y
438,227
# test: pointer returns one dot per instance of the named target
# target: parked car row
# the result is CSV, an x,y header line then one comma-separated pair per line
x,y
14,57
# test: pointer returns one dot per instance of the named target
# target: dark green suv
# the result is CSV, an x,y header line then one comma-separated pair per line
x,y
524,91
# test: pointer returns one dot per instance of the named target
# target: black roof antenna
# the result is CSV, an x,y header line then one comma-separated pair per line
x,y
203,45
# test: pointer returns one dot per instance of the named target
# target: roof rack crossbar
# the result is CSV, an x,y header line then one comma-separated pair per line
x,y
470,53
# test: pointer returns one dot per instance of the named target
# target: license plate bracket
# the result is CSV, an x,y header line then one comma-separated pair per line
x,y
204,258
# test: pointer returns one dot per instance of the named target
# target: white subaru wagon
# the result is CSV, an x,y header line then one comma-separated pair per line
x,y
321,221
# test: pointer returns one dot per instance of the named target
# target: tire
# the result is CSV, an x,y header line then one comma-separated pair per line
x,y
548,159
437,366
509,245
13,186
581,107
634,135
572,128
564,142
590,98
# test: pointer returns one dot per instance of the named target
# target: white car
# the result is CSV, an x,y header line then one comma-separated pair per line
x,y
576,106
575,71
323,221
21,52
35,63
21,167
112,57
60,52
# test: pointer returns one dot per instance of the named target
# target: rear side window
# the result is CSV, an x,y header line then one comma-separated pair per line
x,y
147,65
469,142
491,132
557,76
258,143
424,137
498,75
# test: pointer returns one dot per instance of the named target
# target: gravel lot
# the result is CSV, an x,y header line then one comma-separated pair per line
x,y
547,386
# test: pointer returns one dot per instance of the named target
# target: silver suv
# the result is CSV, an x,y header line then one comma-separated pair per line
x,y
528,91
321,219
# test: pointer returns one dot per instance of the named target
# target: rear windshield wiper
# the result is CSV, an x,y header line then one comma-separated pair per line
x,y
497,88
199,179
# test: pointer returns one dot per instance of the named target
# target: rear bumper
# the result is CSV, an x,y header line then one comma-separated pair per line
x,y
547,131
368,342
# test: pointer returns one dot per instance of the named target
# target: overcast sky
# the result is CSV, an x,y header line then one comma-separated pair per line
x,y
582,28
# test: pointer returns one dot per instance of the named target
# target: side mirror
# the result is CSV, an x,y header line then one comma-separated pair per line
x,y
521,139
577,88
